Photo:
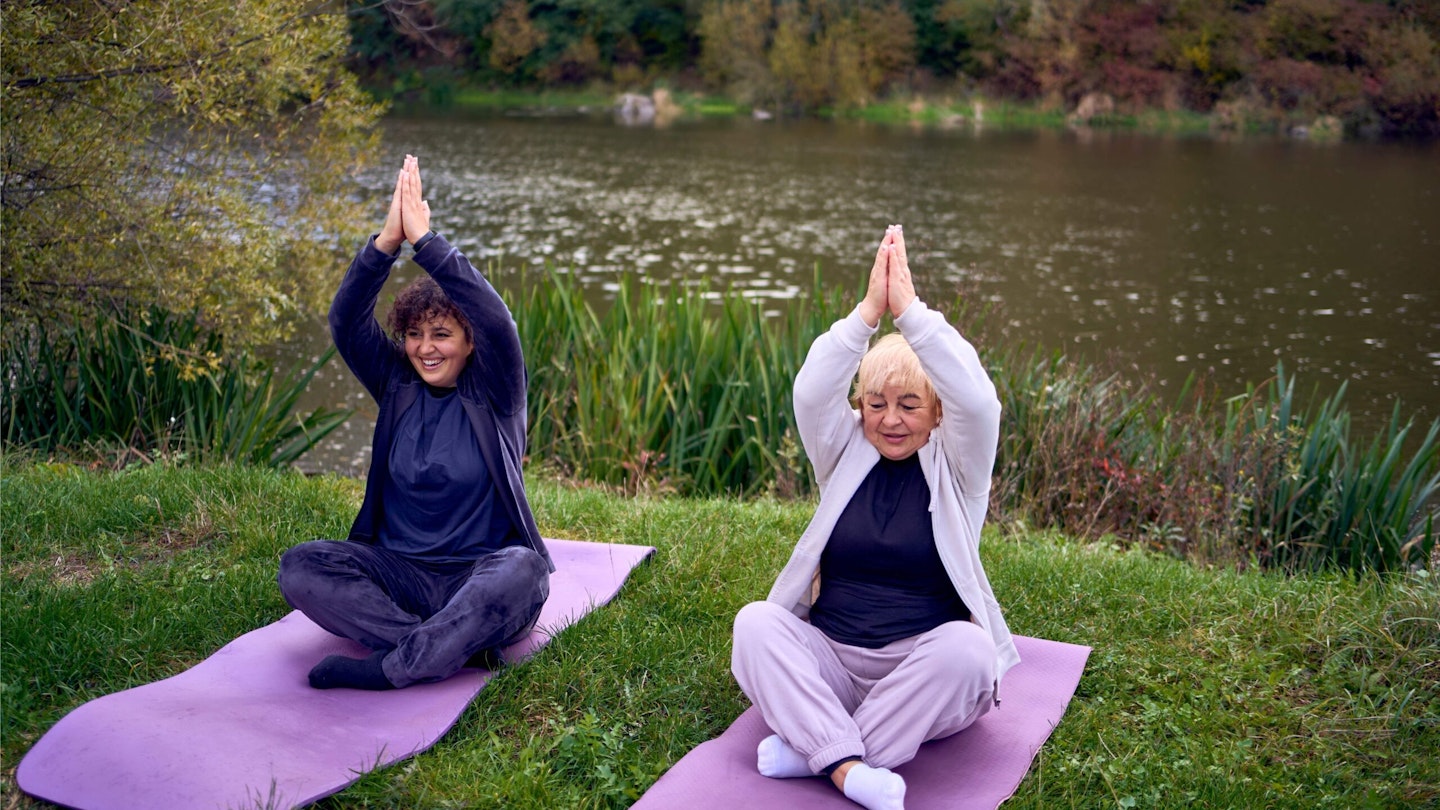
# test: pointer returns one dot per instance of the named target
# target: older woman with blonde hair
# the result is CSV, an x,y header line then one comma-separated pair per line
x,y
882,631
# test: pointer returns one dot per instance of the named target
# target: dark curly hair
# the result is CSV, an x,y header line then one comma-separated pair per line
x,y
422,301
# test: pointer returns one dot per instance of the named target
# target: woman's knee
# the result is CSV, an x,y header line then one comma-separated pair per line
x,y
754,625
519,571
962,650
515,576
311,571
299,567
525,560
762,633
758,620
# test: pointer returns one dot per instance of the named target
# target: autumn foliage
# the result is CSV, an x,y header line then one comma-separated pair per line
x,y
1373,64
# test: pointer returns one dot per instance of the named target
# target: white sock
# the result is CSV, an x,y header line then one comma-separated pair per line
x,y
875,788
777,760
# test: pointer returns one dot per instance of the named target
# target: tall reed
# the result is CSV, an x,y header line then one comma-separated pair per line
x,y
1315,498
1073,445
688,390
153,382
1253,478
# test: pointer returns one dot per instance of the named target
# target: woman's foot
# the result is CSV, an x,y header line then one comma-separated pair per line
x,y
339,672
777,760
488,658
871,788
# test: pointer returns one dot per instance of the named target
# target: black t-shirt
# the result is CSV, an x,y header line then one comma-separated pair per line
x,y
881,578
439,500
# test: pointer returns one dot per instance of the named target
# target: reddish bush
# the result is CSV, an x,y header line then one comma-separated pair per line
x,y
1123,52
1402,83
1141,86
1288,83
1018,74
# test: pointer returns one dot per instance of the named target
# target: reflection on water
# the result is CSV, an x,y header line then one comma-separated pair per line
x,y
1175,255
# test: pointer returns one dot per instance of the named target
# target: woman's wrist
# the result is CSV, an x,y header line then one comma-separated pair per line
x,y
389,245
870,314
424,240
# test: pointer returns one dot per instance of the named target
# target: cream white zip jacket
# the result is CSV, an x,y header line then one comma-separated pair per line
x,y
957,460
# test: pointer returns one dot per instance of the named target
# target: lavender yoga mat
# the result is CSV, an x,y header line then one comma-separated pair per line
x,y
978,768
244,729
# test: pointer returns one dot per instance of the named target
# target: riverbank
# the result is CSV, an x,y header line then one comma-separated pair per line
x,y
1096,112
1205,686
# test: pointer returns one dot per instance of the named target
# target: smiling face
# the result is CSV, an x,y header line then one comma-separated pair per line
x,y
438,349
898,420
897,403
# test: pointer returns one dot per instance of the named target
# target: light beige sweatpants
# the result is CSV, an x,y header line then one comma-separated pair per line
x,y
830,701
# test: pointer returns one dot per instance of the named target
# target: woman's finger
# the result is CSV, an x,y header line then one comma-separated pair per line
x,y
876,294
395,198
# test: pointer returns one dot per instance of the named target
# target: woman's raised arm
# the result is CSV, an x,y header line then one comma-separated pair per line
x,y
497,341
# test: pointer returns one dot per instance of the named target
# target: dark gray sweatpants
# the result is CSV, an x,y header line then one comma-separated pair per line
x,y
430,619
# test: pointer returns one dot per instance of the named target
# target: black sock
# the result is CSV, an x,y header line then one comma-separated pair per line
x,y
339,672
488,658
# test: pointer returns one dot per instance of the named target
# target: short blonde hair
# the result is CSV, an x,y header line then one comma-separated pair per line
x,y
892,361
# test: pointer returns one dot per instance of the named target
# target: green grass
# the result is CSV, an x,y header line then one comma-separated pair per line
x,y
518,99
1205,687
718,107
594,98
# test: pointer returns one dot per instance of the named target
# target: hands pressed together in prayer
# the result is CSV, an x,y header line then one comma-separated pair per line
x,y
409,216
891,287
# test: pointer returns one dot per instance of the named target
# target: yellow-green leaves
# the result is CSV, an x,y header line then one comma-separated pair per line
x,y
186,153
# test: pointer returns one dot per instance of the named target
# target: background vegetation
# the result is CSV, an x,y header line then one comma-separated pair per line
x,y
1371,66
149,385
689,393
1205,687
681,392
195,154
161,157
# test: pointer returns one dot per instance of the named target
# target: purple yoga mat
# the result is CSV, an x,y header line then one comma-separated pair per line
x,y
978,768
244,729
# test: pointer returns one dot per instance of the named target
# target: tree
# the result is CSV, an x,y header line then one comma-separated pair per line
x,y
514,36
734,56
195,154
806,54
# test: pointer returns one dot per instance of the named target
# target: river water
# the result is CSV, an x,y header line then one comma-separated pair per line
x,y
1171,255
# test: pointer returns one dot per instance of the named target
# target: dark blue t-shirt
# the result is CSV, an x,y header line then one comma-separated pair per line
x,y
881,578
440,501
